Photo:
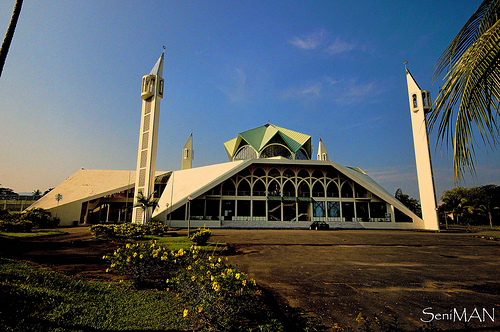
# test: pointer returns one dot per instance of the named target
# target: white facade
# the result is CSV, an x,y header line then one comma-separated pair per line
x,y
420,105
151,94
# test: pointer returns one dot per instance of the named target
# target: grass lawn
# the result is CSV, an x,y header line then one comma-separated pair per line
x,y
34,298
37,299
30,234
178,242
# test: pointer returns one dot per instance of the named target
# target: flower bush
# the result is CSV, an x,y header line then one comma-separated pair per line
x,y
201,236
127,230
148,263
214,292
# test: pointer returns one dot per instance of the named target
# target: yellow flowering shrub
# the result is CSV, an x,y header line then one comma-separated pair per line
x,y
147,263
215,292
127,230
201,236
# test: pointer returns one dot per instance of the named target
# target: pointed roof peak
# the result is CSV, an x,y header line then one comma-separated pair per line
x,y
158,68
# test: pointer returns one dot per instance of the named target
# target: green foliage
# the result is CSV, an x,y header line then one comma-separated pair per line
x,y
147,263
16,226
471,81
214,292
201,236
127,230
472,206
411,203
41,218
37,299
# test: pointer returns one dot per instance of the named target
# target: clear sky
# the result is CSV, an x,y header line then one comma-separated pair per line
x,y
70,89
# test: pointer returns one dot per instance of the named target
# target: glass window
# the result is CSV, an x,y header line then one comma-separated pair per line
x,y
333,209
319,209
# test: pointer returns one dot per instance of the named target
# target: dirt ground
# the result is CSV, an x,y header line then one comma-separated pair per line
x,y
415,276
335,275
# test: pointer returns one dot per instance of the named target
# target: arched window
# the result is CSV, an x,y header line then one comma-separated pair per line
x,y
303,174
259,172
346,190
288,189
301,155
259,189
318,189
304,190
274,188
317,174
274,173
276,150
244,188
288,173
228,188
246,152
332,190
414,97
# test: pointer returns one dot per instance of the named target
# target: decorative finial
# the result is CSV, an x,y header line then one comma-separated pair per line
x,y
406,62
163,49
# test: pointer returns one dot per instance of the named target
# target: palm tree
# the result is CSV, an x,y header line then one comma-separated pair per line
x,y
146,202
10,34
472,63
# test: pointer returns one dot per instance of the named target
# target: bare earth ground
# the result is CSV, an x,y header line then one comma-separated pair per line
x,y
334,275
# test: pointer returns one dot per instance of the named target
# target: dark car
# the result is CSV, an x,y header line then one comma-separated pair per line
x,y
317,225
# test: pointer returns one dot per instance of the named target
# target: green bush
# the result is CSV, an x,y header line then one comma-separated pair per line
x,y
127,230
121,231
41,218
16,226
201,236
214,292
148,263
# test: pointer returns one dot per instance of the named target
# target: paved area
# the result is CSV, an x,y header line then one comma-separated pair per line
x,y
416,276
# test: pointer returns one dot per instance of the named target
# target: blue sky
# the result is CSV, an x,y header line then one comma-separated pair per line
x,y
70,89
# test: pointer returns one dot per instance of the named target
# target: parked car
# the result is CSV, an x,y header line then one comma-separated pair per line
x,y
317,225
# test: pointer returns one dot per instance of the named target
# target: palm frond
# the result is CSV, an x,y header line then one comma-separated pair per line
x,y
474,81
486,15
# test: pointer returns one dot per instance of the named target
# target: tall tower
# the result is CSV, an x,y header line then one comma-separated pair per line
x,y
322,153
420,105
151,94
188,154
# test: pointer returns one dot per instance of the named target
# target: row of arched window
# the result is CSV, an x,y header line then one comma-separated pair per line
x,y
289,183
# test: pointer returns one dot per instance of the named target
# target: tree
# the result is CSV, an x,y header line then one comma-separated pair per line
x,y
7,192
9,34
491,201
411,203
37,192
472,63
453,203
146,202
47,191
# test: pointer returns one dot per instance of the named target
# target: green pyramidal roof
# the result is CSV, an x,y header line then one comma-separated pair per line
x,y
259,137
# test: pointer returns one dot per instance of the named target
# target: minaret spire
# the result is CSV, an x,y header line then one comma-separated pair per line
x,y
188,153
420,105
151,94
322,153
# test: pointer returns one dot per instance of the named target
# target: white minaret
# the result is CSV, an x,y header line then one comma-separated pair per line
x,y
420,105
188,154
322,153
151,94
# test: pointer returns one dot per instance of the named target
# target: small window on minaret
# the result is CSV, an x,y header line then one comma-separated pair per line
x,y
415,101
186,153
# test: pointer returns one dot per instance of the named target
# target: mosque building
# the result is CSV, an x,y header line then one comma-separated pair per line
x,y
271,180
